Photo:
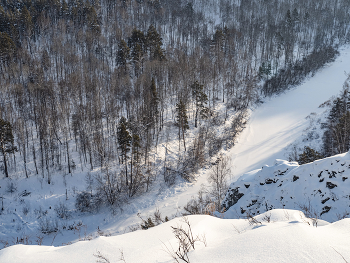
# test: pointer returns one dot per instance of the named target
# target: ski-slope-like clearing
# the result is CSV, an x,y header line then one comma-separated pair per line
x,y
281,120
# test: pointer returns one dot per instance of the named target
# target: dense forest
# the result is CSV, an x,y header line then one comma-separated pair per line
x,y
102,83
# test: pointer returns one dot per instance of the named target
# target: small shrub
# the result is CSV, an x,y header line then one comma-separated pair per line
x,y
186,241
252,220
47,226
84,202
152,221
198,205
40,212
310,213
147,224
25,210
62,211
11,188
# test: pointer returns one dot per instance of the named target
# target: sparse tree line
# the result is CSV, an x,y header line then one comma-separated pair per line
x,y
336,137
107,81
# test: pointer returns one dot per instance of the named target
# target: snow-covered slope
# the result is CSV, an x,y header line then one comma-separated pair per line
x,y
287,237
282,120
321,188
272,127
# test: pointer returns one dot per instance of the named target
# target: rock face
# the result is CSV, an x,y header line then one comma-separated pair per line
x,y
320,187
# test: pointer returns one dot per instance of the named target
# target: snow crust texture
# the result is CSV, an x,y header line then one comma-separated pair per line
x,y
287,237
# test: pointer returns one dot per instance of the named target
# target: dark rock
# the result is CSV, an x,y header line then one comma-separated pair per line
x,y
253,203
325,200
232,197
270,181
325,210
295,178
330,185
331,175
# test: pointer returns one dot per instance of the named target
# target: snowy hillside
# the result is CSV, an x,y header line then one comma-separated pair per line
x,y
272,128
320,188
276,236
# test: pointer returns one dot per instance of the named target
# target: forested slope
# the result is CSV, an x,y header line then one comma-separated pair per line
x,y
134,92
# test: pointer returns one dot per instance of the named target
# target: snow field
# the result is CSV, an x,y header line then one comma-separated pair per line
x,y
287,238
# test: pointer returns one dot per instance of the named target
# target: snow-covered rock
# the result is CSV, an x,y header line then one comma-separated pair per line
x,y
321,188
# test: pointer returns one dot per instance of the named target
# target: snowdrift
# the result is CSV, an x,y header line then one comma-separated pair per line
x,y
277,236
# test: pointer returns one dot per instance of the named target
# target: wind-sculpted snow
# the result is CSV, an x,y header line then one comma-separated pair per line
x,y
277,236
321,189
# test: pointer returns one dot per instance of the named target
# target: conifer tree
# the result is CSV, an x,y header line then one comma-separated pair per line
x,y
123,55
136,146
158,54
7,46
218,40
200,100
124,138
154,108
182,120
289,20
124,141
137,58
154,43
137,38
92,20
6,142
309,155
295,15
135,159
26,21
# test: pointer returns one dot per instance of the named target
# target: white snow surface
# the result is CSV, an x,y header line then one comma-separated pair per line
x,y
288,237
272,128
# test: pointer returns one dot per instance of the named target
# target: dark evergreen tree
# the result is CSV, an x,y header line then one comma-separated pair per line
x,y
6,142
201,100
154,103
158,54
26,22
136,147
153,39
92,20
182,120
7,47
265,70
309,155
124,139
333,137
137,56
138,38
218,40
154,44
123,55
